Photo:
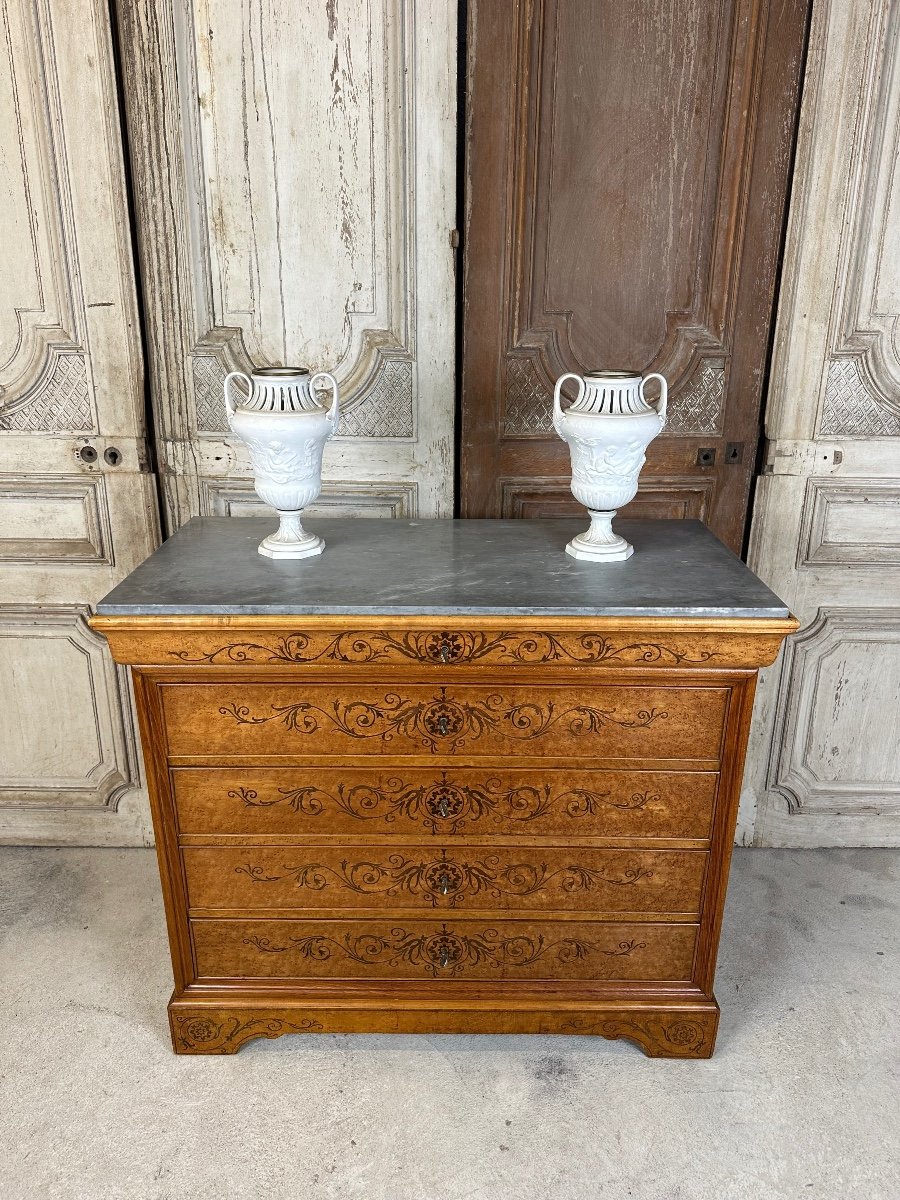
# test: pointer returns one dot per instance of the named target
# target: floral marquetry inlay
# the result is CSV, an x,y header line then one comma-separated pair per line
x,y
446,951
448,646
448,881
213,1033
441,722
667,1036
444,806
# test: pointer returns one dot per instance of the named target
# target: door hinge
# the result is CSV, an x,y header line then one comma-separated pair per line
x,y
454,238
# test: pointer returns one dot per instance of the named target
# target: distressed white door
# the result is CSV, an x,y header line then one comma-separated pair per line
x,y
77,506
824,761
294,169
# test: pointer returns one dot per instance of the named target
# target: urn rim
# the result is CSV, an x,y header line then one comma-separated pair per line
x,y
630,374
278,372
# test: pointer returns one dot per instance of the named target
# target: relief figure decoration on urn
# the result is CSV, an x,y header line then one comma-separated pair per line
x,y
285,427
608,428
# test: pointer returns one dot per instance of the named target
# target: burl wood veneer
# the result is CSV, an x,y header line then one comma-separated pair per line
x,y
444,778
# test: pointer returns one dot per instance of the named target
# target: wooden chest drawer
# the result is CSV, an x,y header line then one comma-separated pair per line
x,y
613,721
518,878
362,801
450,949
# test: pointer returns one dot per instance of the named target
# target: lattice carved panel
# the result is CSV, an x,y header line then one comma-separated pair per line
x,y
851,407
700,407
60,404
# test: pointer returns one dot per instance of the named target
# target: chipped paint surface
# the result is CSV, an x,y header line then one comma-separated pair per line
x,y
294,110
824,754
294,187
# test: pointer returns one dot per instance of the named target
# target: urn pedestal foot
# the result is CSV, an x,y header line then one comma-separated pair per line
x,y
600,543
291,540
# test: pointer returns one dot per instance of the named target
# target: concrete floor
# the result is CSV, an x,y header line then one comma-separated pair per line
x,y
801,1099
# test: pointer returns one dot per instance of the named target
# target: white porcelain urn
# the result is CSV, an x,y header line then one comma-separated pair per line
x,y
285,428
608,428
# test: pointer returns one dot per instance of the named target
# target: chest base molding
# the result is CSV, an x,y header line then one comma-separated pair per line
x,y
662,1029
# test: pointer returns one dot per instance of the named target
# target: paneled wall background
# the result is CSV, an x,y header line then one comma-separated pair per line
x,y
293,173
77,504
824,761
293,194
637,159
294,170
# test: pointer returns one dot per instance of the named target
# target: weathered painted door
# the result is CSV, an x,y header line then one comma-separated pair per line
x,y
77,505
627,170
825,751
294,170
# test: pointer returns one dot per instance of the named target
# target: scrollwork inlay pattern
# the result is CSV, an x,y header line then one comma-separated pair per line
x,y
446,881
441,722
447,647
444,952
213,1034
444,806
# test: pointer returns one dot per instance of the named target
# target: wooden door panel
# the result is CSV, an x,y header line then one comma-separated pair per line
x,y
659,496
77,498
295,189
824,763
636,159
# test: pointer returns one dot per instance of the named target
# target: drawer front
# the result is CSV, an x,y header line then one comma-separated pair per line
x,y
445,804
571,722
435,949
513,878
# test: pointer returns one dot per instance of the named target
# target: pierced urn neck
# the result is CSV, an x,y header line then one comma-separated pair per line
x,y
611,394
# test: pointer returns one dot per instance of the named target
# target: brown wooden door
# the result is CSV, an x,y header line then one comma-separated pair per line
x,y
627,169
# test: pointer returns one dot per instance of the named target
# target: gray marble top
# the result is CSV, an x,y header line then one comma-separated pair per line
x,y
443,567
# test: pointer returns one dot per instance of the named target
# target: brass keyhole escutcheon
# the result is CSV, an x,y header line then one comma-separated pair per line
x,y
444,726
445,957
445,808
445,652
445,884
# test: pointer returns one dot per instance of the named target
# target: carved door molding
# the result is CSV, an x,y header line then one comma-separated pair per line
x,y
295,195
636,158
824,760
77,503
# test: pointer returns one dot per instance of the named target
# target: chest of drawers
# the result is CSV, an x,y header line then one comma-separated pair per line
x,y
445,778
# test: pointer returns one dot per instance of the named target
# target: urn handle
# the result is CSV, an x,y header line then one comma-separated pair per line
x,y
582,388
229,403
662,402
332,382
